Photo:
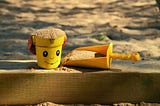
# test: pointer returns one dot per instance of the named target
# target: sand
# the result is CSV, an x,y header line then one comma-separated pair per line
x,y
132,26
49,33
116,104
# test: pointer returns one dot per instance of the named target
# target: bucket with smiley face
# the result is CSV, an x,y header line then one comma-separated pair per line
x,y
48,51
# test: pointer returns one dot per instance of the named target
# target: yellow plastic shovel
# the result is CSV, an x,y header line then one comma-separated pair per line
x,y
101,62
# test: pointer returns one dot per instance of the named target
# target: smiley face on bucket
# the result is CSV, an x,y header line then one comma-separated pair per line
x,y
49,57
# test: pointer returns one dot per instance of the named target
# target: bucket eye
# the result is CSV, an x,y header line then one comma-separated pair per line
x,y
57,52
45,53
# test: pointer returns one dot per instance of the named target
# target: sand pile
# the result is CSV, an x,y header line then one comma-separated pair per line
x,y
79,55
82,54
51,33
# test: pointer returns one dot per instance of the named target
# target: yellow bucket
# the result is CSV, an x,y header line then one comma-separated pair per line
x,y
48,51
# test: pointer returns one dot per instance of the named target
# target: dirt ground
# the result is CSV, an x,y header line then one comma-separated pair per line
x,y
116,104
132,26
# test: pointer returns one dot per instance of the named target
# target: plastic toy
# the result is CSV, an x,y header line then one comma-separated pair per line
x,y
47,50
100,62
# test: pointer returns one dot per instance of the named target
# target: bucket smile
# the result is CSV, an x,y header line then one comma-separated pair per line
x,y
50,62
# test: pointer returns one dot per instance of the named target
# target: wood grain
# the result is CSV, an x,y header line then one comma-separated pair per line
x,y
87,86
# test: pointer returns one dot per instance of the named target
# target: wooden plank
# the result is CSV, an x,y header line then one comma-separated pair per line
x,y
86,86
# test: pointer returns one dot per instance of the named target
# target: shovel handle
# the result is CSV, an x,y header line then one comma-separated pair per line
x,y
134,57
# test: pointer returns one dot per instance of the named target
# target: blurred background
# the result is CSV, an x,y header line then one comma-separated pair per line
x,y
132,26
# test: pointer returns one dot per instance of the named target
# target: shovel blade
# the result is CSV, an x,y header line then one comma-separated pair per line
x,y
92,63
